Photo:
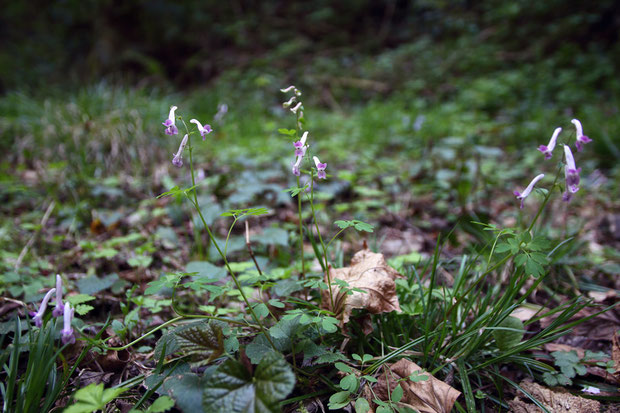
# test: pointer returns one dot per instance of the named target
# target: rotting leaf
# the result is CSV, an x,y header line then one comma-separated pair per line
x,y
371,285
204,342
553,400
425,396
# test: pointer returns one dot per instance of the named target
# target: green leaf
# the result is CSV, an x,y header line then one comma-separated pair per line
x,y
186,389
287,132
295,190
330,324
358,225
82,309
507,339
79,299
93,284
231,388
502,247
397,394
339,400
165,281
140,261
344,224
93,397
238,213
362,405
258,349
162,404
349,382
520,259
177,192
343,367
204,342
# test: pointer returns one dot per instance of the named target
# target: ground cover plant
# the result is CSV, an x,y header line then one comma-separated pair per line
x,y
441,241
274,319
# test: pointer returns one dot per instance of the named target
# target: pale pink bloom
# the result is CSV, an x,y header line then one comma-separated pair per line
x,y
571,174
204,131
320,168
171,128
59,309
548,149
178,158
526,192
38,316
581,138
66,335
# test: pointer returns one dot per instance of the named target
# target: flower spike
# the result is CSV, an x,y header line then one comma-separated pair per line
x,y
320,168
581,138
178,158
171,128
526,192
38,316
203,131
571,174
66,335
59,309
548,149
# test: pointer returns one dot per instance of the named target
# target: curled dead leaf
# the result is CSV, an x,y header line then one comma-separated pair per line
x,y
368,272
556,400
425,396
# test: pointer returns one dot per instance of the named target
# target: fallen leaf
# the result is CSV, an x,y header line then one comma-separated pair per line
x,y
425,396
551,347
556,400
528,311
368,272
601,327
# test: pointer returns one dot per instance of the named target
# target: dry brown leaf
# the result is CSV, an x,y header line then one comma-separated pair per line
x,y
527,312
369,272
556,400
615,353
551,347
430,396
601,327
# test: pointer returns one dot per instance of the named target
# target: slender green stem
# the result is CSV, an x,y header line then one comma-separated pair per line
x,y
545,201
301,233
318,232
226,263
334,237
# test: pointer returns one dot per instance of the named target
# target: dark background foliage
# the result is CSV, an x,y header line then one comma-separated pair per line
x,y
192,42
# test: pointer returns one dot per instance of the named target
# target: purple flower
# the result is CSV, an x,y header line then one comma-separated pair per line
x,y
66,335
547,150
171,129
178,158
59,309
300,145
320,168
203,131
528,190
38,316
295,166
571,173
581,138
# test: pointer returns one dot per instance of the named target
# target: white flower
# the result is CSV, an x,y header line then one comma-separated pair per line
x,y
528,190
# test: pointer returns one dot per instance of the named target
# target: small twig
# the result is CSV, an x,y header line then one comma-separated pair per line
x,y
247,243
44,220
